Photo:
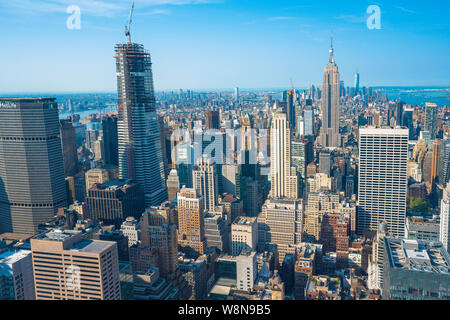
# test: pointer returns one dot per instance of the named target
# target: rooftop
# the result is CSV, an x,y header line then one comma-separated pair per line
x,y
8,258
424,256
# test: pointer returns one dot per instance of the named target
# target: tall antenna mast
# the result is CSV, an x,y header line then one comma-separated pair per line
x,y
130,19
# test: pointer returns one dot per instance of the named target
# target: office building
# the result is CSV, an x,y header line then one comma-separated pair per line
x,y
32,185
114,201
69,147
191,222
16,275
173,184
246,270
87,269
329,132
212,120
280,223
206,182
444,226
110,140
431,113
94,176
244,235
317,204
421,228
444,162
159,234
216,232
140,151
382,186
284,179
415,270
130,229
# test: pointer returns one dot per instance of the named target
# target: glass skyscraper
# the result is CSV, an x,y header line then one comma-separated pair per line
x,y
32,185
140,153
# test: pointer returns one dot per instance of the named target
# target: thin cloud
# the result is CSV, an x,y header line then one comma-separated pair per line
x,y
281,18
405,9
351,18
94,7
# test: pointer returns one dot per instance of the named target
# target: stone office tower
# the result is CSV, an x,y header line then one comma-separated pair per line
x,y
32,185
329,132
140,153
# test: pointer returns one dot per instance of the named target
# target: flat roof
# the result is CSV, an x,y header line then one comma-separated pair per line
x,y
90,246
8,258
414,255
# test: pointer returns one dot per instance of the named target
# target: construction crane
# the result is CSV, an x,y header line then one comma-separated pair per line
x,y
127,28
292,84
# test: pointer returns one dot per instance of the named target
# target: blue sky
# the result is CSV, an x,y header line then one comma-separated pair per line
x,y
207,44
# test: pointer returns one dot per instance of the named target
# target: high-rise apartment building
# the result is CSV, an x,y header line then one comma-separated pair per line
x,y
191,224
382,186
329,132
68,267
32,184
140,151
284,179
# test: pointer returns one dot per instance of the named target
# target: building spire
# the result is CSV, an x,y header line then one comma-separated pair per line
x,y
331,52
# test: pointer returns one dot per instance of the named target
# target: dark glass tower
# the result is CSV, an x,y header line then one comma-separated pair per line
x,y
32,185
140,153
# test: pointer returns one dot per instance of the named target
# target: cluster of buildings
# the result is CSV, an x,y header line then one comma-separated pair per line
x,y
321,194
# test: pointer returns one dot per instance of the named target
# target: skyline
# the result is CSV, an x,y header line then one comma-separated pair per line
x,y
251,45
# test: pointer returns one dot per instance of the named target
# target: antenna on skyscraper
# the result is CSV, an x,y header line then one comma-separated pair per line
x,y
130,19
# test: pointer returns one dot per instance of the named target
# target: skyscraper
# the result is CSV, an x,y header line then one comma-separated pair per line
x,y
191,221
382,187
87,269
212,119
32,185
69,147
444,162
110,139
444,230
284,179
431,112
140,153
356,83
290,109
329,132
206,182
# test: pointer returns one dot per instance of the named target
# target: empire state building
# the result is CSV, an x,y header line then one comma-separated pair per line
x,y
329,132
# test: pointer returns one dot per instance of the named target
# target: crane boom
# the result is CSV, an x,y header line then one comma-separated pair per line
x,y
130,19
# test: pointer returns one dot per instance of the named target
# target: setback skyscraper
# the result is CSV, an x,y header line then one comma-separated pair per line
x,y
329,132
140,154
32,185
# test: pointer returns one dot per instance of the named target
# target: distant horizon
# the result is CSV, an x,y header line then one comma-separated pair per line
x,y
231,89
250,44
